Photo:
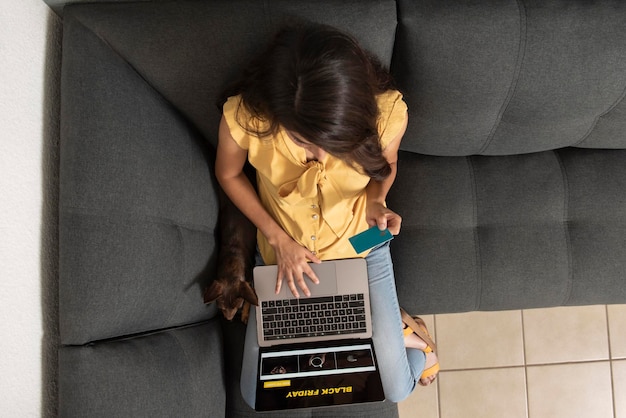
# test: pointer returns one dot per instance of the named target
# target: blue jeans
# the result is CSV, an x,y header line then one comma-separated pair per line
x,y
400,367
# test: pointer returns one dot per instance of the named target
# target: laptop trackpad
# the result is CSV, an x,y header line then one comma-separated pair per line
x,y
327,286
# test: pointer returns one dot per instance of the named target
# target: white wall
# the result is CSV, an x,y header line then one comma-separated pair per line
x,y
29,54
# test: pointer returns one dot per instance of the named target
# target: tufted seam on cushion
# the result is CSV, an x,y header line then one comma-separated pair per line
x,y
479,275
117,214
133,68
600,116
521,52
568,244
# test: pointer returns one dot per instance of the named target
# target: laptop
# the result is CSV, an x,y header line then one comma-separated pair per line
x,y
316,351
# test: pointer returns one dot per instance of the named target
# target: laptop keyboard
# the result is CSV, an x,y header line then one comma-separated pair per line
x,y
313,317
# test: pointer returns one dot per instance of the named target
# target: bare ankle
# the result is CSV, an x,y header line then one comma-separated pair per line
x,y
413,341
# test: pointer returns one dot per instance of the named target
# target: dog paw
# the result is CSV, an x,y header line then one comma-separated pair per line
x,y
245,312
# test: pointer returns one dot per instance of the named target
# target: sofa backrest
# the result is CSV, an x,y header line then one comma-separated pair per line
x,y
501,77
189,51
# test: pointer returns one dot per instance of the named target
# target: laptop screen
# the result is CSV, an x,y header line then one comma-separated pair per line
x,y
318,375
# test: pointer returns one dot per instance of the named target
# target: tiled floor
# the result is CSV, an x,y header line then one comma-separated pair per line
x,y
539,363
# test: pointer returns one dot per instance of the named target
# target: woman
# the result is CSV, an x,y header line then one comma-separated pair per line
x,y
319,120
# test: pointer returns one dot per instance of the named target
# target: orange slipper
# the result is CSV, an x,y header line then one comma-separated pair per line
x,y
418,326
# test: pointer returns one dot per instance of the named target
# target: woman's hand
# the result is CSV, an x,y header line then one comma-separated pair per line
x,y
292,260
378,214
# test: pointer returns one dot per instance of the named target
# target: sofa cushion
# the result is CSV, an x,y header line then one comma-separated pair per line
x,y
510,77
175,373
510,232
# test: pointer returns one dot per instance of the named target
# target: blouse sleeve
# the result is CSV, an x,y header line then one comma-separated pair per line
x,y
233,112
393,111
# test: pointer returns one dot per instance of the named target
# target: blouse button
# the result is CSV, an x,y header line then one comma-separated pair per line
x,y
315,216
313,206
312,237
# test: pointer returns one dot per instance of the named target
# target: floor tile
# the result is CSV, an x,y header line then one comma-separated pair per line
x,y
491,393
565,334
480,339
617,328
422,403
619,388
570,390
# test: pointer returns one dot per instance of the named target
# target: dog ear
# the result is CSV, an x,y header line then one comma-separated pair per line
x,y
213,292
247,293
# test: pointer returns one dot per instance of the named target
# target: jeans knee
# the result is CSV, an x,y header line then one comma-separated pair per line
x,y
399,394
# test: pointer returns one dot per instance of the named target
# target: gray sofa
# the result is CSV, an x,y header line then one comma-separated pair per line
x,y
512,177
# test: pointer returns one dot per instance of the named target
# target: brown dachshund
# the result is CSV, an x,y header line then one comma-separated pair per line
x,y
232,289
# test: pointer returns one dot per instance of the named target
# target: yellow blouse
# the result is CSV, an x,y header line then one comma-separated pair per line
x,y
320,204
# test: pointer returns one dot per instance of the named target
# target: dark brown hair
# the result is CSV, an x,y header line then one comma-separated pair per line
x,y
318,82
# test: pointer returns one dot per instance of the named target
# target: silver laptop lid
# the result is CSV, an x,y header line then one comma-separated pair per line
x,y
343,283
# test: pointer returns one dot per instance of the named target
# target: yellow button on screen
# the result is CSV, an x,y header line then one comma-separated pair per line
x,y
276,384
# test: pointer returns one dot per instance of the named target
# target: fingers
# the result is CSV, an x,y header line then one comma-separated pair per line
x,y
381,221
312,257
311,274
389,220
394,223
296,278
384,218
279,282
292,279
